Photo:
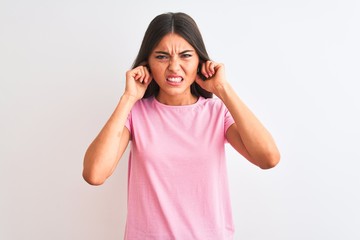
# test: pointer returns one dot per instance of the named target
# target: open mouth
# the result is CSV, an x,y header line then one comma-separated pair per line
x,y
174,79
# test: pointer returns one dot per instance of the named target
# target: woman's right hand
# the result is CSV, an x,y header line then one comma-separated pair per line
x,y
137,81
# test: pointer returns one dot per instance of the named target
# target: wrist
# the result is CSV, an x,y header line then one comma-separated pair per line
x,y
129,98
222,90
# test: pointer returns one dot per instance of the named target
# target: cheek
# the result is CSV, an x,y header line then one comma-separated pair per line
x,y
156,69
192,68
158,73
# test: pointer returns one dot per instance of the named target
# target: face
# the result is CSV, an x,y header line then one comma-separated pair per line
x,y
173,64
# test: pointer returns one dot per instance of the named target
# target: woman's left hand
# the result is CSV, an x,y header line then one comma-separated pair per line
x,y
215,77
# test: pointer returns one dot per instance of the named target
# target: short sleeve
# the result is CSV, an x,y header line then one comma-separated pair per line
x,y
228,120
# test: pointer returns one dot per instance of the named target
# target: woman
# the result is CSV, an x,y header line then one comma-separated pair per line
x,y
177,172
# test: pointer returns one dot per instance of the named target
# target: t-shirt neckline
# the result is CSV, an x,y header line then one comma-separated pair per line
x,y
200,99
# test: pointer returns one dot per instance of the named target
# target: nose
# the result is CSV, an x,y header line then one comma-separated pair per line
x,y
174,65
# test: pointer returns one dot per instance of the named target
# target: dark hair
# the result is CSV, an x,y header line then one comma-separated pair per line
x,y
161,25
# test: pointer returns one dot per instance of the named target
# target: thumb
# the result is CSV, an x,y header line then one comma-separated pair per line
x,y
199,80
204,84
148,81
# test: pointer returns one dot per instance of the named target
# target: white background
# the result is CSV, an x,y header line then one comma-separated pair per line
x,y
295,63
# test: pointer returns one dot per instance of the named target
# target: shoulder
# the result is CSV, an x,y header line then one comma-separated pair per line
x,y
143,104
212,103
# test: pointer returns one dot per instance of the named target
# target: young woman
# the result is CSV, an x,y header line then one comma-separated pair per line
x,y
177,171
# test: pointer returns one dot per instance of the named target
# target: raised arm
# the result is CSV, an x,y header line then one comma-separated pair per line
x,y
247,135
107,148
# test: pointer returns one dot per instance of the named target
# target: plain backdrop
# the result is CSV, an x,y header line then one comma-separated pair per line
x,y
295,63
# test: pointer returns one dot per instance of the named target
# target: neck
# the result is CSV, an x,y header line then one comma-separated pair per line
x,y
182,100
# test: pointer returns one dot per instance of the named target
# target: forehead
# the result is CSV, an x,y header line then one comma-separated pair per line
x,y
173,42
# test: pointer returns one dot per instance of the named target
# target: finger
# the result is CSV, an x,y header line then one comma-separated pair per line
x,y
145,66
143,74
133,74
204,71
145,70
148,76
210,67
136,74
140,74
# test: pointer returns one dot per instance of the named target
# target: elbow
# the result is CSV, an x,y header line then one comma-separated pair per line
x,y
92,172
270,160
93,179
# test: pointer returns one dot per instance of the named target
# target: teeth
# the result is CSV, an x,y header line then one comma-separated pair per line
x,y
175,79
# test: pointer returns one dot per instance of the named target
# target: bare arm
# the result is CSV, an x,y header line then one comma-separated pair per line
x,y
107,148
247,135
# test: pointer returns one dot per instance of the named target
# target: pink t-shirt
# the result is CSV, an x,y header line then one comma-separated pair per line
x,y
177,182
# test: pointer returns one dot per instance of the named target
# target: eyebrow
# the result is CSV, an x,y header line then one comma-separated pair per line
x,y
166,53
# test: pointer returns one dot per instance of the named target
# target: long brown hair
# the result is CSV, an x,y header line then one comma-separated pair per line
x,y
186,27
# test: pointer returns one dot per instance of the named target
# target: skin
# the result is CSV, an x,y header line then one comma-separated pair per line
x,y
174,58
